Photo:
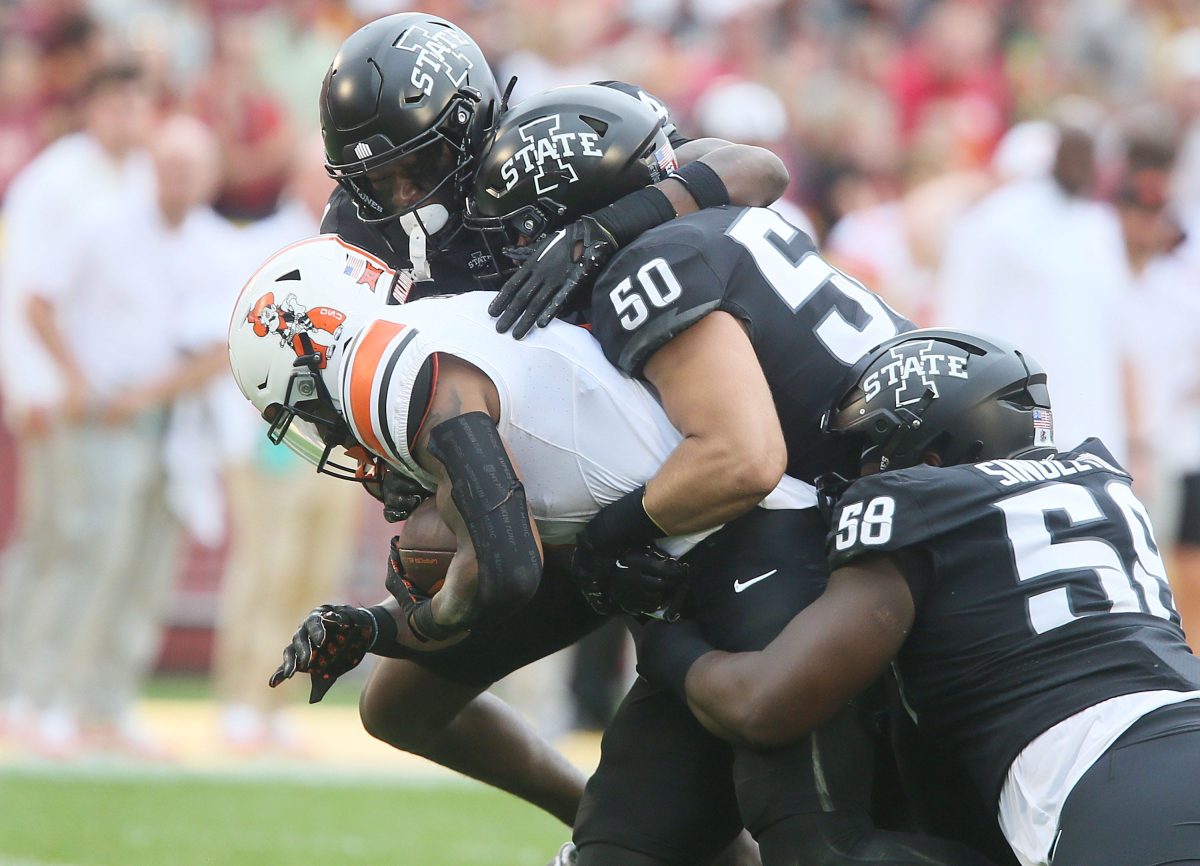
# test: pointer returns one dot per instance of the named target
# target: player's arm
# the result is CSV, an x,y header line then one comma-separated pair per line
x,y
562,267
714,392
831,651
498,561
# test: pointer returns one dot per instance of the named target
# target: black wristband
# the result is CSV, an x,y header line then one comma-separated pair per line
x,y
425,627
623,524
704,184
631,215
385,628
674,657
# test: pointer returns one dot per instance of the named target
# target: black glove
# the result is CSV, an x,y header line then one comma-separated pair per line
x,y
642,581
415,606
648,582
399,494
592,572
332,640
551,275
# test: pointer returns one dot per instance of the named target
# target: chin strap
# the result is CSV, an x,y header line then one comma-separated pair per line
x,y
419,225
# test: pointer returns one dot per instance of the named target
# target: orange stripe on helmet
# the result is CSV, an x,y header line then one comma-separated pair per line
x,y
371,347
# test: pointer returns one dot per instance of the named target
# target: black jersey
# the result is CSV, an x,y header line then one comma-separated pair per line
x,y
465,265
808,322
1039,592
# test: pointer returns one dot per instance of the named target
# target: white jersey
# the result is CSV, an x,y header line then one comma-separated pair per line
x,y
581,434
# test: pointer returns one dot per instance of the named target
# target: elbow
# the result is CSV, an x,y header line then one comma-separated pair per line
x,y
771,174
508,590
759,469
767,722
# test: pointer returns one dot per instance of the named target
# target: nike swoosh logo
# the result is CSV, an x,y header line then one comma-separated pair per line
x,y
740,586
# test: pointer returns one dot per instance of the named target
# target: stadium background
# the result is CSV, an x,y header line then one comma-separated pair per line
x,y
895,117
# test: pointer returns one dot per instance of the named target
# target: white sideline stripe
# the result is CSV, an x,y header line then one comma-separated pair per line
x,y
307,776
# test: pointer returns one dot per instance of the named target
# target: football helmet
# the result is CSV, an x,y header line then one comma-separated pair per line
x,y
963,395
287,337
406,103
558,155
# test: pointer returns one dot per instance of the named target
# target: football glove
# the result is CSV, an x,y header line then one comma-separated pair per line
x,y
415,606
644,582
332,640
552,275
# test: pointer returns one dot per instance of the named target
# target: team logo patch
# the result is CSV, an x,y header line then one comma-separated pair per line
x,y
547,154
289,321
437,53
915,368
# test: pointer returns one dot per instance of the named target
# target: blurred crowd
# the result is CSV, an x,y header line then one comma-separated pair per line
x,y
1030,168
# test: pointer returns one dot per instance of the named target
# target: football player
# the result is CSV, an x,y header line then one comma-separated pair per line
x,y
406,107
746,335
522,443
1020,594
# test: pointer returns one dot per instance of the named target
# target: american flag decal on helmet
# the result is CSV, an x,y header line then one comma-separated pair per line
x,y
1043,428
362,150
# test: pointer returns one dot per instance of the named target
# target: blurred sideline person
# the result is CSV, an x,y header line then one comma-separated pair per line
x,y
433,389
119,325
45,395
292,530
744,333
1020,594
1039,252
1163,335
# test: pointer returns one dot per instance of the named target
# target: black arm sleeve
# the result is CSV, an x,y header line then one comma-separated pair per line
x,y
491,500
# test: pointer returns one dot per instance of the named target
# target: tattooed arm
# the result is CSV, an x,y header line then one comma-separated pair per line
x,y
497,565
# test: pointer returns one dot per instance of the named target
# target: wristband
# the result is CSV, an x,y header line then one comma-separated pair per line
x,y
674,656
704,184
385,628
631,215
623,524
425,627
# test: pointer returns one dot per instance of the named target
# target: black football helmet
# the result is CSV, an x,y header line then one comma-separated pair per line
x,y
964,396
411,92
564,153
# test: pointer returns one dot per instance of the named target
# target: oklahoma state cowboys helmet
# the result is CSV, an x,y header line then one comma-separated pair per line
x,y
411,92
288,333
965,396
563,153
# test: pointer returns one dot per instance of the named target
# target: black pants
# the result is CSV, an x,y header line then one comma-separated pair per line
x,y
1139,805
806,804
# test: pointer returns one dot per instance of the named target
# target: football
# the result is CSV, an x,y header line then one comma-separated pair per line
x,y
426,546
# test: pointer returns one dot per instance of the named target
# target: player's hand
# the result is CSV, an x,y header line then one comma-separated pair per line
x,y
648,582
399,494
416,607
591,569
332,640
560,268
640,581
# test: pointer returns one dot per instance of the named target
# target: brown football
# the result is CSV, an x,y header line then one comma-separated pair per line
x,y
426,547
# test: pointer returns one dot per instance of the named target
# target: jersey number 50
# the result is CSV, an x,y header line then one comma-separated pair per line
x,y
768,237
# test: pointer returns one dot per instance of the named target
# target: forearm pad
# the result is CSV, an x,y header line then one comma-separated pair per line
x,y
491,500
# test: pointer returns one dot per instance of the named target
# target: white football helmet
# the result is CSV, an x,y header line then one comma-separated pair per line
x,y
287,338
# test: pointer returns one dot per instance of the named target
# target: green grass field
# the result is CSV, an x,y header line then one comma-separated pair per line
x,y
98,818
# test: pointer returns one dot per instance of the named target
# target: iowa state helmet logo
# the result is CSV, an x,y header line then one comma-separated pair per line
x,y
546,154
